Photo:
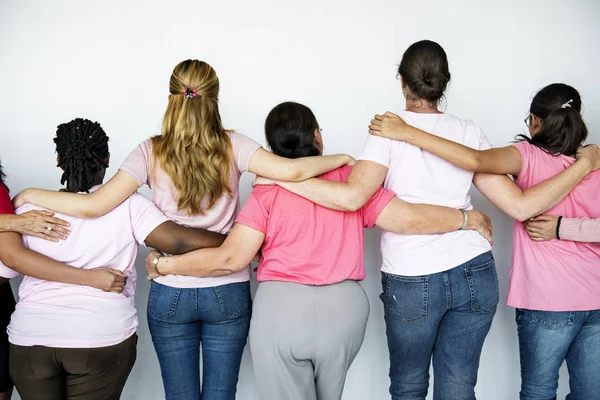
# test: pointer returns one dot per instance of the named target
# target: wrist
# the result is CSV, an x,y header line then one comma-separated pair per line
x,y
585,164
474,220
163,265
86,277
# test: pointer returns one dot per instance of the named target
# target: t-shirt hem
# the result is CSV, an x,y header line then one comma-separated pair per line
x,y
199,285
556,308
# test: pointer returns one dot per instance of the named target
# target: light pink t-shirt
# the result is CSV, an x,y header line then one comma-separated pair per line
x,y
56,314
306,243
220,218
557,275
417,176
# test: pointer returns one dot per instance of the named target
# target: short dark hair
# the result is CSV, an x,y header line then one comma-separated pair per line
x,y
424,69
82,148
290,130
563,130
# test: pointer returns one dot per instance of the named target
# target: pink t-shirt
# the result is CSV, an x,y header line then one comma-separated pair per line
x,y
417,176
57,314
558,275
306,243
220,218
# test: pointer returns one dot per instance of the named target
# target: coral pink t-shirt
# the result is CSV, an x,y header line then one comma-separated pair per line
x,y
306,243
556,275
220,218
55,314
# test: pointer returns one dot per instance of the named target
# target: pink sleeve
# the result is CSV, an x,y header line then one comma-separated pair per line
x,y
580,229
525,150
255,213
137,164
243,149
377,149
375,206
144,216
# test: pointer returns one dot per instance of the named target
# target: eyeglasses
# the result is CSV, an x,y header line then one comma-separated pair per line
x,y
527,120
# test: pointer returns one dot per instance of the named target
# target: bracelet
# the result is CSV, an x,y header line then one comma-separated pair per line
x,y
465,219
155,261
558,227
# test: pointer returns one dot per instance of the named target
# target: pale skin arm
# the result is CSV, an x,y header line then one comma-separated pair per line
x,y
543,228
236,252
364,180
499,189
423,219
93,205
122,185
264,163
17,257
35,223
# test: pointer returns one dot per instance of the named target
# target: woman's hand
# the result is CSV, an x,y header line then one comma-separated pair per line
x,y
542,228
41,224
109,280
389,126
150,266
481,223
590,153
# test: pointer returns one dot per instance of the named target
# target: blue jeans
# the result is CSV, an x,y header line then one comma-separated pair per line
x,y
445,316
546,339
181,319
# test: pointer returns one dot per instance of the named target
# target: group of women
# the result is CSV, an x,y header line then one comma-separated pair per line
x,y
72,334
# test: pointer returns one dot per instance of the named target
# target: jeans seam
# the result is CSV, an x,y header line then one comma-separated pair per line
x,y
469,275
539,322
448,291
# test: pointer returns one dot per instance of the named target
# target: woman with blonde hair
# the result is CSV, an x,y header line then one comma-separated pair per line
x,y
193,168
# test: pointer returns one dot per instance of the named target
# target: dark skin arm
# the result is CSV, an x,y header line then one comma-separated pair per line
x,y
173,238
19,258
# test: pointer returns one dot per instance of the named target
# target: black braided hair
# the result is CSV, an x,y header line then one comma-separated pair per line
x,y
82,148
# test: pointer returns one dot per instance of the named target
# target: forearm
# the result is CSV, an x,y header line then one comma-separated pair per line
x,y
335,195
35,265
202,263
580,230
524,204
73,204
172,238
8,223
309,167
422,219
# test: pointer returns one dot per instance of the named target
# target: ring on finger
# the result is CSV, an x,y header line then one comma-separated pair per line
x,y
49,228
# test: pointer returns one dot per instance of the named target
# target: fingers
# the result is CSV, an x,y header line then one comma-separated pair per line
x,y
57,222
390,114
378,117
118,273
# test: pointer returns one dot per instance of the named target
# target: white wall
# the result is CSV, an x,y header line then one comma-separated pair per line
x,y
110,61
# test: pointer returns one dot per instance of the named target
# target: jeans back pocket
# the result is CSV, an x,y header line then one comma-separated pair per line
x,y
234,299
162,301
405,296
483,285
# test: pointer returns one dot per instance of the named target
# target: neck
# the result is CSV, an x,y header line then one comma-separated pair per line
x,y
421,106
76,189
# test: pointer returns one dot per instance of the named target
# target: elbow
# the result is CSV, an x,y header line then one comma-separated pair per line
x,y
9,259
520,213
350,203
90,212
475,163
295,174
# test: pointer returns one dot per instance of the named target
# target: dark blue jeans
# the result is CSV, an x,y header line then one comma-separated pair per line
x,y
181,319
546,339
445,316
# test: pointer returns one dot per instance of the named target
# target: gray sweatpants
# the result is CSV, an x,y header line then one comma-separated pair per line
x,y
304,338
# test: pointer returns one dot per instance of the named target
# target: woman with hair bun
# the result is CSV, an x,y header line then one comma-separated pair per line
x,y
553,284
440,292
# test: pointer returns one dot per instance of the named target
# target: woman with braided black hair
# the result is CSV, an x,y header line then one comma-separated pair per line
x,y
59,351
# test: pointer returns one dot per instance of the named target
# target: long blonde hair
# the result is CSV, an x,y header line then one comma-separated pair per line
x,y
194,149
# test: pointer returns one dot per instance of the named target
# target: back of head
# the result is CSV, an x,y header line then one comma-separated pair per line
x,y
290,130
558,107
194,149
424,69
82,148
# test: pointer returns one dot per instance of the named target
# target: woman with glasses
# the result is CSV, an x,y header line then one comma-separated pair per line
x,y
439,291
553,284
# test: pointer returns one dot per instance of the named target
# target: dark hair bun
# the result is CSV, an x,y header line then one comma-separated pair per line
x,y
290,130
424,69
